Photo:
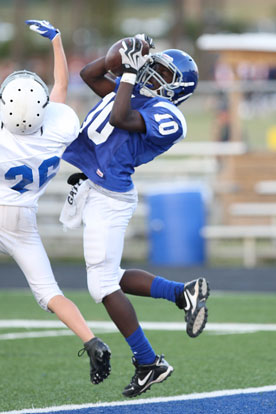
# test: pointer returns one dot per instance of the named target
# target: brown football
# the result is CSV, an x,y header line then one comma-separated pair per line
x,y
113,59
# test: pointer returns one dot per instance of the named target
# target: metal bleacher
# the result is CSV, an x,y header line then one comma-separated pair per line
x,y
184,163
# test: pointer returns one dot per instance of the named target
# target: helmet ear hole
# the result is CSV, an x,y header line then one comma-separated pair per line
x,y
24,97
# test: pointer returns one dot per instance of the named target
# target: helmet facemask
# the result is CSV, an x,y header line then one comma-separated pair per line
x,y
24,97
178,90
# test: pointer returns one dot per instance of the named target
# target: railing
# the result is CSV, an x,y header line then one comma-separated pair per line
x,y
197,158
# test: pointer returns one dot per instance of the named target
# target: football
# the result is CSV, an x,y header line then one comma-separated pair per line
x,y
113,59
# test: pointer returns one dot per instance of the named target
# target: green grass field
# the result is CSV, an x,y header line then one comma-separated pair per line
x,y
40,372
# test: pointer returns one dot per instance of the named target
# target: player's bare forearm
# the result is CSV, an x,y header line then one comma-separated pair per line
x,y
61,76
95,75
122,116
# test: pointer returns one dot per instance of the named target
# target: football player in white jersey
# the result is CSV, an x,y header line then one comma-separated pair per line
x,y
136,120
35,130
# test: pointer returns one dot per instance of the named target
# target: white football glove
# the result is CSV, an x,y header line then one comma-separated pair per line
x,y
146,38
132,58
43,27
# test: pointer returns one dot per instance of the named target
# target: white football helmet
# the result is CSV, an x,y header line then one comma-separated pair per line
x,y
23,100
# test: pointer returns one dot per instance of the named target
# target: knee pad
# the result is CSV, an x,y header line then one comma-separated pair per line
x,y
100,285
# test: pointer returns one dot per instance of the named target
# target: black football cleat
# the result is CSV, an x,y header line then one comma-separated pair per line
x,y
193,301
99,355
146,375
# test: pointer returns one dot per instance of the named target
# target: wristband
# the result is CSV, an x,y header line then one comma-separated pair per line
x,y
129,78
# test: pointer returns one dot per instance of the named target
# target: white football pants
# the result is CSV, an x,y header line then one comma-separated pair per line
x,y
105,221
20,239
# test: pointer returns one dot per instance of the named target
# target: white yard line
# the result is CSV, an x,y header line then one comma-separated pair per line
x,y
184,397
52,328
35,334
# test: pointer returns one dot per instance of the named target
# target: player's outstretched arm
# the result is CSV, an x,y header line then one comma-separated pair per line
x,y
95,75
61,76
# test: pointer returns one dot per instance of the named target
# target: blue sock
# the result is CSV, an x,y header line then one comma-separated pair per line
x,y
165,289
141,348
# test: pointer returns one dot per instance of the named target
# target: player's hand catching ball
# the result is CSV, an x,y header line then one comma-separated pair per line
x,y
43,27
146,38
131,53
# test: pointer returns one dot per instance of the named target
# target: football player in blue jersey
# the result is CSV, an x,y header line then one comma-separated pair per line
x,y
35,129
136,120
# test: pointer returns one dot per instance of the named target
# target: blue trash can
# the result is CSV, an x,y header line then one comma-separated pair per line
x,y
175,220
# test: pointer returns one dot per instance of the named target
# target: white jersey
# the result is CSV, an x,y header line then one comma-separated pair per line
x,y
28,163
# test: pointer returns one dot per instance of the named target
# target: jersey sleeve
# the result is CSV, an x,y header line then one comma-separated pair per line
x,y
63,122
164,122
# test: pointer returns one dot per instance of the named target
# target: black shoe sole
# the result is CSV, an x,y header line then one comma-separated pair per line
x,y
105,369
204,289
195,323
106,363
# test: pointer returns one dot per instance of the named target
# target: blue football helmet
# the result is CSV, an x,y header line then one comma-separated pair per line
x,y
183,68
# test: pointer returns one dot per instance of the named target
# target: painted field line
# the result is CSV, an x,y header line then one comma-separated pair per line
x,y
37,323
35,334
108,326
183,397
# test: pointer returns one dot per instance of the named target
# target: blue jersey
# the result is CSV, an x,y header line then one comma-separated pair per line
x,y
109,155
